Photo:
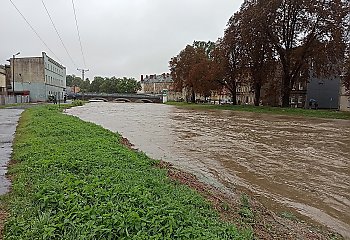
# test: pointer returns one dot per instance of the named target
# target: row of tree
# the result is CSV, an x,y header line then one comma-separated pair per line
x,y
282,42
104,84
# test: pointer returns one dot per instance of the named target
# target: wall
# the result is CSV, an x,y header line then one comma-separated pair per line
x,y
324,91
344,104
28,70
29,76
55,77
2,81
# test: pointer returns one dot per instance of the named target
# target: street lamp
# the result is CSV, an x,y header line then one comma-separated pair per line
x,y
13,73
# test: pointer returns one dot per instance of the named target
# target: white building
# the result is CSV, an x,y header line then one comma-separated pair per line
x,y
41,76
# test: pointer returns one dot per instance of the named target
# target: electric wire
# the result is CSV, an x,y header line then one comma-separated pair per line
x,y
37,34
76,23
59,36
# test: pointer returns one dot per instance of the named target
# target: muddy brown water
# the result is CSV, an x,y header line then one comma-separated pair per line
x,y
289,163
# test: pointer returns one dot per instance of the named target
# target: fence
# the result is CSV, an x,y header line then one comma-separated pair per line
x,y
13,99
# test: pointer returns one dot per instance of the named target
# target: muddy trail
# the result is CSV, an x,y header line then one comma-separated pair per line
x,y
296,166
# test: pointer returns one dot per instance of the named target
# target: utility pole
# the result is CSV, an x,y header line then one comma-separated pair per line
x,y
83,71
13,72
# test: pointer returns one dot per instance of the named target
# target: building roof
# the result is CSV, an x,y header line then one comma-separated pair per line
x,y
161,78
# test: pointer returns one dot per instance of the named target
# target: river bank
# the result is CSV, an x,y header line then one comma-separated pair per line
x,y
312,113
63,189
66,184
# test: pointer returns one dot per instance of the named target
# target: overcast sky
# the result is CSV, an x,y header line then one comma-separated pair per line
x,y
119,37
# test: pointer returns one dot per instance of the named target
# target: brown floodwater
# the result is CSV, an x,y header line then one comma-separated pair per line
x,y
288,163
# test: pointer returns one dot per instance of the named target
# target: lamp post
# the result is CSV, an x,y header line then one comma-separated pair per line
x,y
13,72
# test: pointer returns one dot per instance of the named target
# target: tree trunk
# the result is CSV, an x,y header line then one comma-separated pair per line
x,y
193,96
234,96
286,92
257,93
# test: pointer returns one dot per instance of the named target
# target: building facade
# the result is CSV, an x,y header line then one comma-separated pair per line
x,y
3,87
40,76
160,84
344,101
155,84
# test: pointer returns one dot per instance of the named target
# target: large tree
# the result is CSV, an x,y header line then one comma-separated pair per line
x,y
115,85
75,81
190,70
228,55
305,34
257,55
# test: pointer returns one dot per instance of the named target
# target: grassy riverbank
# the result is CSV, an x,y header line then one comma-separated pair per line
x,y
75,180
332,114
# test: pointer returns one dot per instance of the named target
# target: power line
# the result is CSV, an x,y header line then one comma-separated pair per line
x,y
53,24
37,34
76,23
83,71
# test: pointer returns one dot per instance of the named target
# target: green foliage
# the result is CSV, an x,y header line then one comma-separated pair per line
x,y
72,80
74,180
114,85
77,103
245,210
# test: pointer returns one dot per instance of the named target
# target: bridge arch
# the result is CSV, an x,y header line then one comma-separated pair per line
x,y
144,101
98,99
121,100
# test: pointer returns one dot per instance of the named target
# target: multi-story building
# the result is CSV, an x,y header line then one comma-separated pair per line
x,y
41,76
160,84
156,84
3,88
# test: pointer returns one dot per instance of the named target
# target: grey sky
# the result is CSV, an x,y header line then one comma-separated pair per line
x,y
119,37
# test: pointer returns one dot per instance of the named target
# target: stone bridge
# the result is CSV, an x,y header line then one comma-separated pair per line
x,y
120,97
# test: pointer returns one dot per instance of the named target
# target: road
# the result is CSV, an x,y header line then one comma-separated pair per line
x,y
8,122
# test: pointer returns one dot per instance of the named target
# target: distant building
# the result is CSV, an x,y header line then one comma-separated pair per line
x,y
155,84
3,87
344,102
245,95
40,76
160,84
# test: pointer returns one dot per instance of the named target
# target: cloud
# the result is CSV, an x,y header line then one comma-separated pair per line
x,y
121,38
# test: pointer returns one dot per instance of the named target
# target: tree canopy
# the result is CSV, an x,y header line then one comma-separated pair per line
x,y
105,84
283,42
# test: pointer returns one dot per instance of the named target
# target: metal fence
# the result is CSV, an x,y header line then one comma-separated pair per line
x,y
13,99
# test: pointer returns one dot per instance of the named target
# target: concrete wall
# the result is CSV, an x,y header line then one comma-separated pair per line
x,y
55,77
37,90
324,91
344,104
2,81
42,76
28,70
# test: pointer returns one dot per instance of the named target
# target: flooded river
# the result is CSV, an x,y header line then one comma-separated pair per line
x,y
288,163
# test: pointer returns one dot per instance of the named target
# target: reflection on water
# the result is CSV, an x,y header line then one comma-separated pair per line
x,y
298,163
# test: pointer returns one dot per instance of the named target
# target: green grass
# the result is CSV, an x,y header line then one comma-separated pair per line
x,y
74,180
270,110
